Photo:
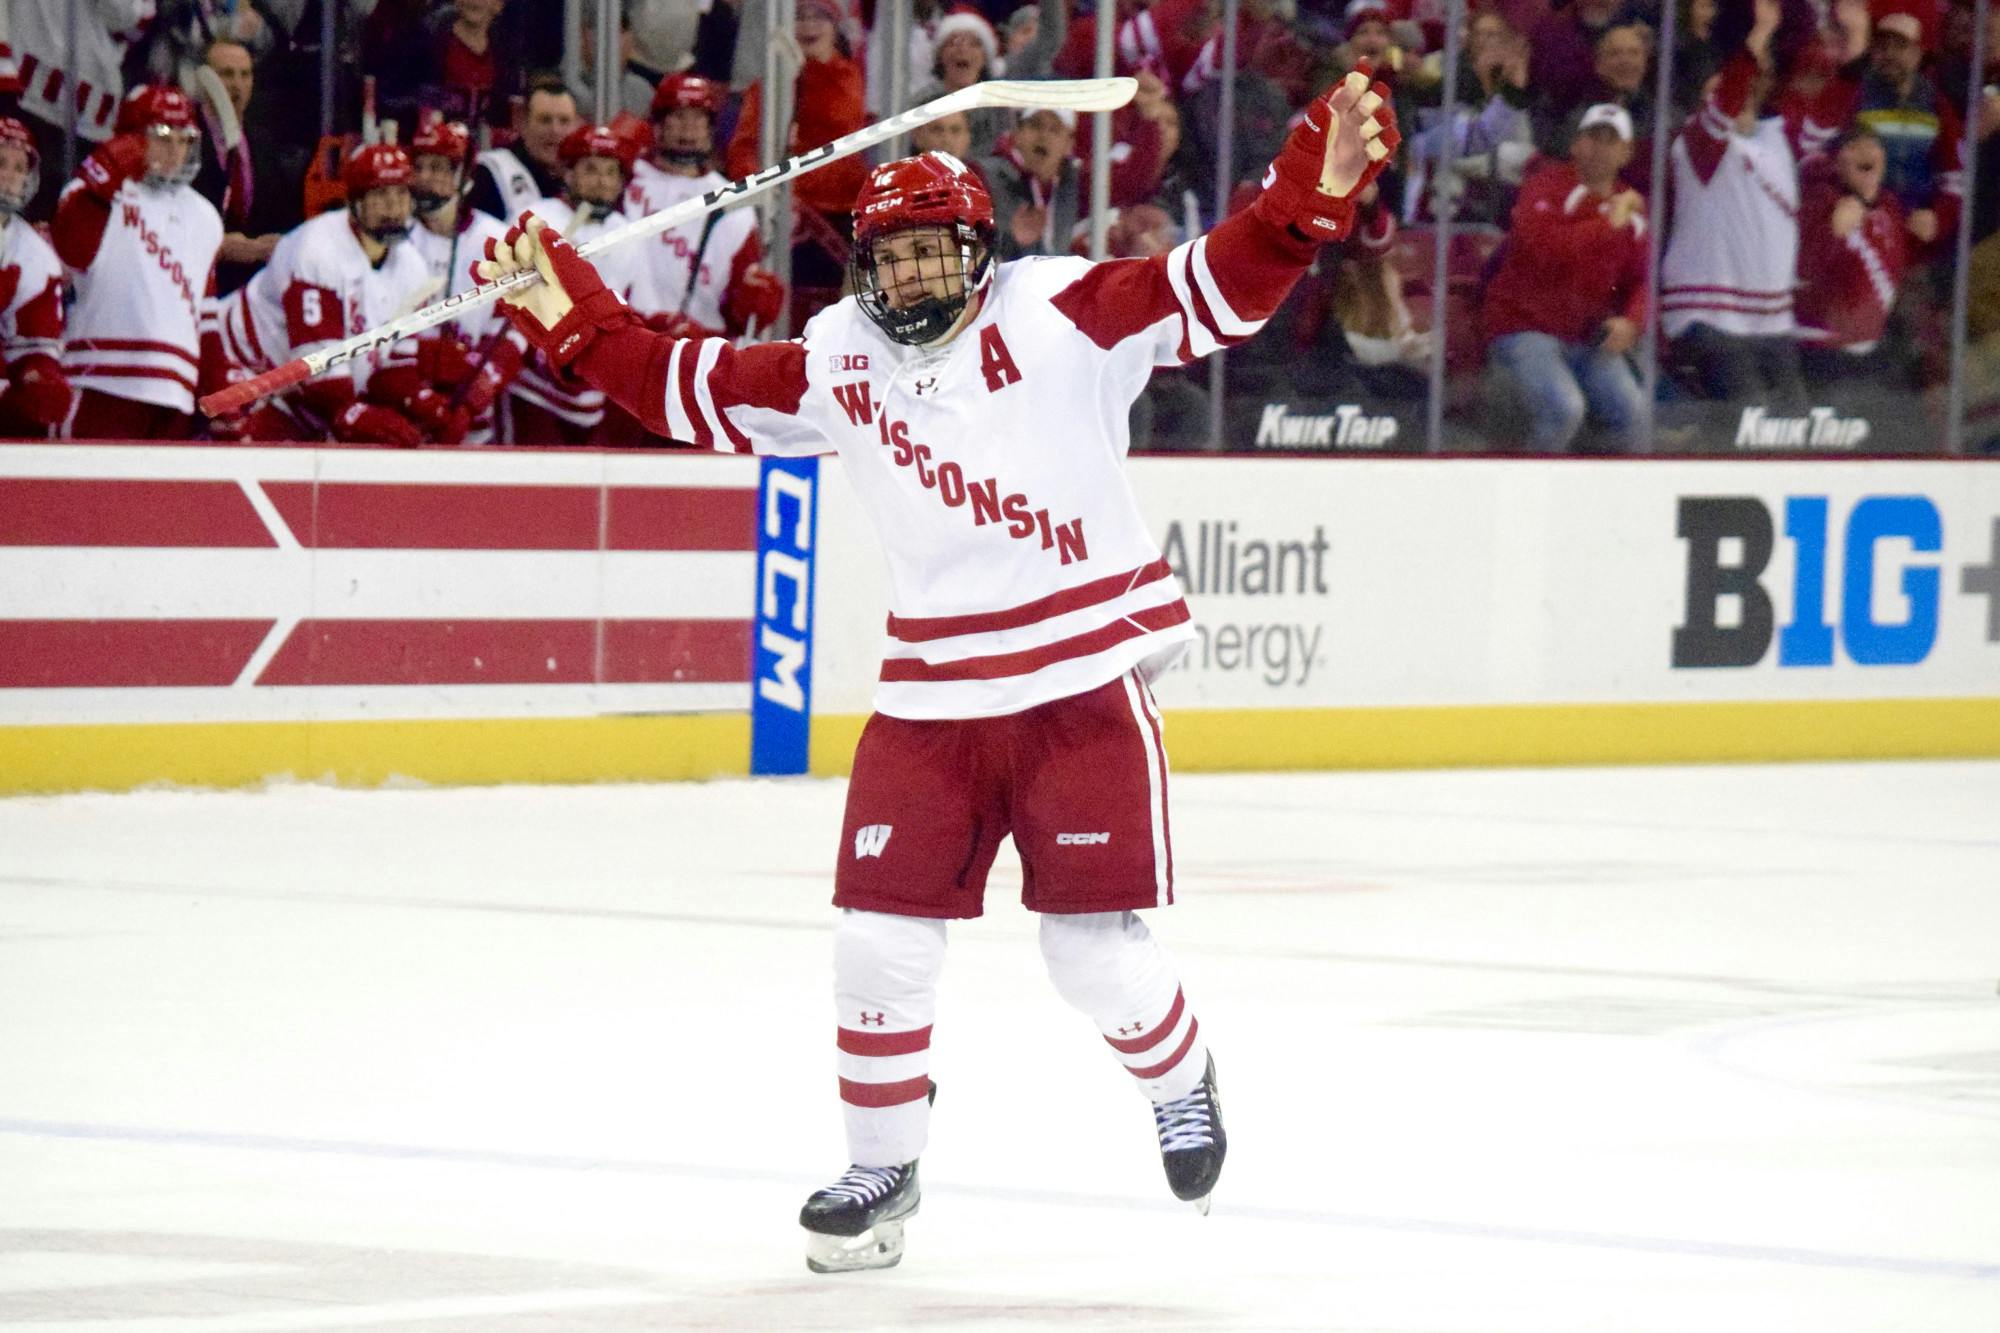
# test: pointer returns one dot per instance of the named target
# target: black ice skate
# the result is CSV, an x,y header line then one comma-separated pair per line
x,y
857,1221
1192,1143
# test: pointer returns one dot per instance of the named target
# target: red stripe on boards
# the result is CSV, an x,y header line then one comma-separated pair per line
x,y
442,517
53,511
1180,1053
77,654
922,629
1148,1040
884,1094
900,670
855,1042
510,652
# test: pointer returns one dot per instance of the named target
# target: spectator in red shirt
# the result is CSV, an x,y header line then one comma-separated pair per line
x,y
1570,295
1853,250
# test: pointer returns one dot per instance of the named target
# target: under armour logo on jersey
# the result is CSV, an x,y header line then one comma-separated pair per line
x,y
1082,839
925,386
874,1020
1132,1031
870,839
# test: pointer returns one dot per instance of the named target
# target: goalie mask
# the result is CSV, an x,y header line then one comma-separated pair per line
x,y
20,166
923,246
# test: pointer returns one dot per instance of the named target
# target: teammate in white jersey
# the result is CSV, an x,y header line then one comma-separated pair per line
x,y
456,372
141,245
35,394
331,276
980,409
547,408
706,272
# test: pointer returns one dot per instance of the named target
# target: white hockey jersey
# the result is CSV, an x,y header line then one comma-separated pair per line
x,y
624,271
693,277
1020,567
135,330
31,294
1732,256
320,287
50,81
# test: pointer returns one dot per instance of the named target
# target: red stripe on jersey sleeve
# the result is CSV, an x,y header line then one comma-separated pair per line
x,y
630,364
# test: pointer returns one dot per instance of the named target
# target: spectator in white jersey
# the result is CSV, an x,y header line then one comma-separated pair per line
x,y
508,180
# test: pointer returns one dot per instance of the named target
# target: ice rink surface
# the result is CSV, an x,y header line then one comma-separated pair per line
x,y
1508,1052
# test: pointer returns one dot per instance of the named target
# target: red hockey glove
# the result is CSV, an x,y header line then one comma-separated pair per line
x,y
38,390
112,164
439,419
495,372
571,306
1340,145
444,362
364,423
756,294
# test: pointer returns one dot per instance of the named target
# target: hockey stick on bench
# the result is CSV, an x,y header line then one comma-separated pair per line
x,y
1055,94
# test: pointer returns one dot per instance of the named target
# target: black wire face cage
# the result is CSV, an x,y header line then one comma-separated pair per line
x,y
930,318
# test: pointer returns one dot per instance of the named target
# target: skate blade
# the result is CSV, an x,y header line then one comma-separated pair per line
x,y
1201,1204
881,1246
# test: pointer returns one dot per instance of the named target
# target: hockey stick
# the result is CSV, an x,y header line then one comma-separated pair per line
x,y
1056,94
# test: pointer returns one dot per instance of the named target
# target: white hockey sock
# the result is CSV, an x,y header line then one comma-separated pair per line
x,y
1108,965
885,975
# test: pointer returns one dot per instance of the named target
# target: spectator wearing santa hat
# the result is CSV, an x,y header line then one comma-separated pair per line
x,y
966,49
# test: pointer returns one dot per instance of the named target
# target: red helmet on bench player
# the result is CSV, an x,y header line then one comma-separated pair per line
x,y
683,113
20,166
597,162
378,178
165,117
438,153
923,246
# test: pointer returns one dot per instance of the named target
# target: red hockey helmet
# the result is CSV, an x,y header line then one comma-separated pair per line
x,y
156,106
375,166
597,141
677,90
637,132
931,191
442,138
15,195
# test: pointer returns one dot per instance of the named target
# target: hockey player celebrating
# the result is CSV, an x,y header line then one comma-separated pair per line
x,y
981,411
35,395
548,408
706,272
467,363
331,276
142,246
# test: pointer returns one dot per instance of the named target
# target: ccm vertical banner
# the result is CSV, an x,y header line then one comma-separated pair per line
x,y
781,706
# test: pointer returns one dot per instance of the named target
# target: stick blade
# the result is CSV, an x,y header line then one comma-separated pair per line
x,y
1058,94
224,401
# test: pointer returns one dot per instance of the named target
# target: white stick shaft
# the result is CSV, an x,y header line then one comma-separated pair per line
x,y
1071,94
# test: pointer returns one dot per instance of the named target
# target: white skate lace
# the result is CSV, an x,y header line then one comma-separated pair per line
x,y
1185,1123
865,1184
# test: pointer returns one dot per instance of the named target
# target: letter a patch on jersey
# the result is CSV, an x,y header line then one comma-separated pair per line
x,y
996,361
870,839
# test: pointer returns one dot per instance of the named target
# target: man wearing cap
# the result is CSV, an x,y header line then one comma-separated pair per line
x,y
1919,128
1569,298
1036,187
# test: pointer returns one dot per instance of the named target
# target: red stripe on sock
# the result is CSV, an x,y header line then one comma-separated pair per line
x,y
885,1043
1154,1071
1148,1040
885,1094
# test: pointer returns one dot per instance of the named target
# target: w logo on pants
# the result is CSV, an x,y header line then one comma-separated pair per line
x,y
870,839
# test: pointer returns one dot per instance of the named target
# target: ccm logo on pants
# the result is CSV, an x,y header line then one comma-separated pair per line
x,y
1081,839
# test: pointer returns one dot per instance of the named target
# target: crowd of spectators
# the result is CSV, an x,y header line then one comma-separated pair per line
x,y
1809,208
